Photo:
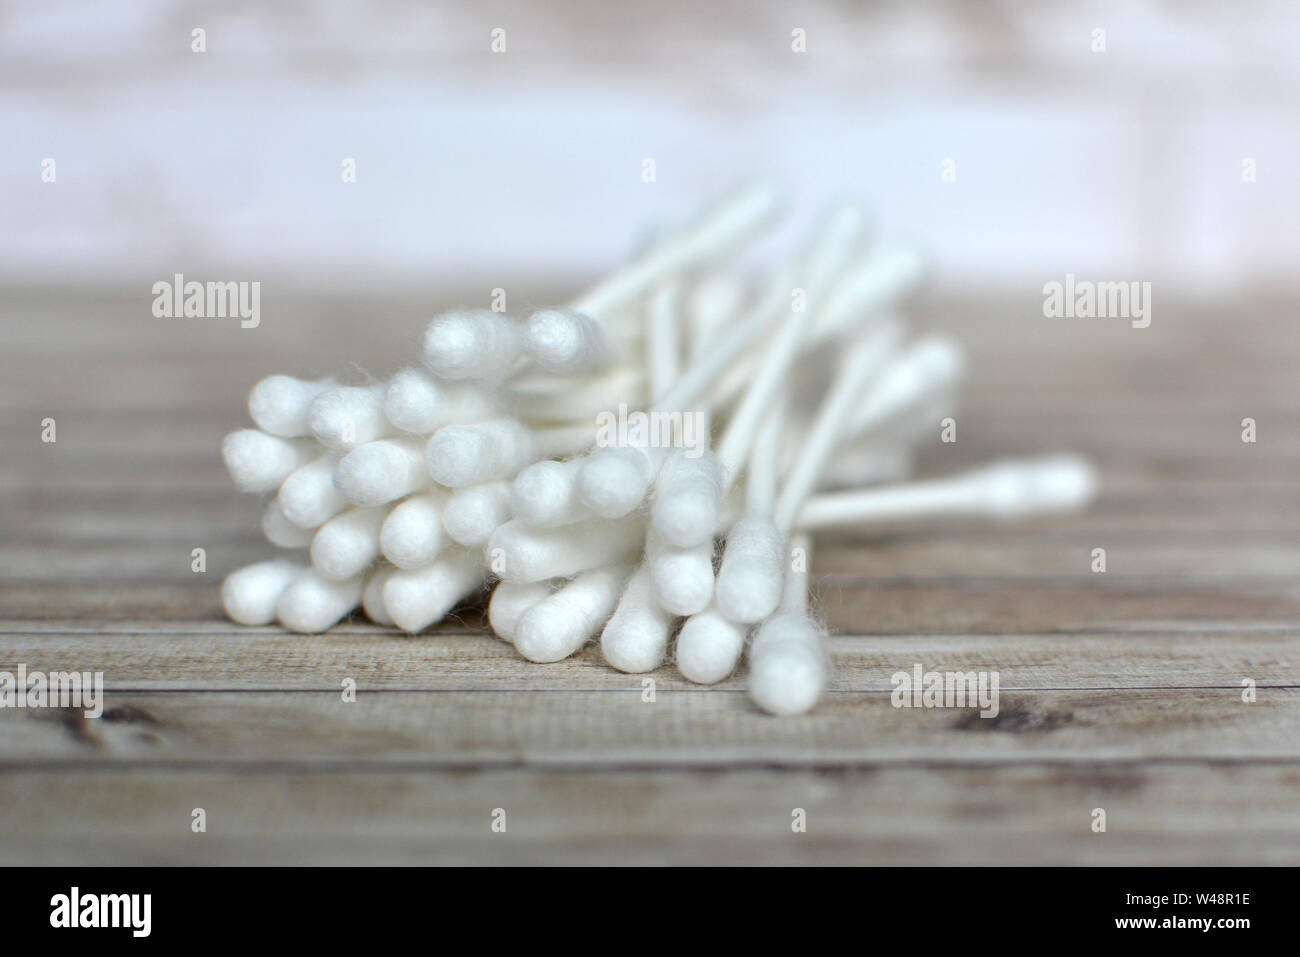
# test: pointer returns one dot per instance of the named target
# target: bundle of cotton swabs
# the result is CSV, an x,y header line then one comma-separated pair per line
x,y
571,459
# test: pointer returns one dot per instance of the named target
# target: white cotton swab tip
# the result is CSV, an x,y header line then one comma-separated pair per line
x,y
688,499
635,639
281,532
682,578
478,344
509,601
564,342
347,416
460,455
787,666
380,472
416,402
347,544
472,514
422,596
258,462
412,534
250,594
372,596
279,403
613,480
752,570
708,647
312,603
545,494
1027,487
561,623
309,497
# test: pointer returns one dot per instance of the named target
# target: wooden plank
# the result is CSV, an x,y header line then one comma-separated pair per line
x,y
1193,814
174,656
706,728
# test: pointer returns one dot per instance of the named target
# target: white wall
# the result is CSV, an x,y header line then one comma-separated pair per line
x,y
1124,164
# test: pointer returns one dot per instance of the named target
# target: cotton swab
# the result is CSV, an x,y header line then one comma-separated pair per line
x,y
474,513
862,364
559,624
412,534
418,597
565,342
709,646
749,578
418,403
347,416
519,553
787,664
510,600
279,531
279,403
309,497
313,603
545,494
688,499
249,595
930,366
716,234
258,462
1003,490
381,472
347,544
460,455
477,344
682,578
372,595
635,639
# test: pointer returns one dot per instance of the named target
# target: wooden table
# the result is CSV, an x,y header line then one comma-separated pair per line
x,y
1121,690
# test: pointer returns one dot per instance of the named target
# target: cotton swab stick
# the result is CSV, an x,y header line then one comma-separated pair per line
x,y
476,344
281,532
565,342
259,462
418,597
347,544
878,284
1009,489
460,455
749,578
309,497
412,534
559,624
519,553
475,512
249,595
279,403
682,578
383,471
787,664
931,365
863,362
347,416
664,352
418,403
372,596
313,603
717,233
510,600
635,639
545,494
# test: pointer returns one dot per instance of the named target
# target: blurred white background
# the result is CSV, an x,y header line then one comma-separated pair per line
x,y
1122,164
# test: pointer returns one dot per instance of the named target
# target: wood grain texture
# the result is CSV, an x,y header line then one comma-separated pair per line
x,y
1120,690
